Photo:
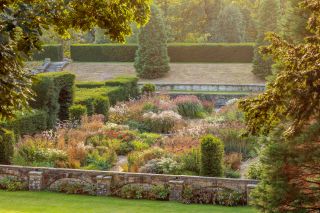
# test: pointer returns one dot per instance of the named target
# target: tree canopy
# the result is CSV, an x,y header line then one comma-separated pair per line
x,y
295,93
21,24
288,113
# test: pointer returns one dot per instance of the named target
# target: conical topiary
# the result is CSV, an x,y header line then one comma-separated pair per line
x,y
152,59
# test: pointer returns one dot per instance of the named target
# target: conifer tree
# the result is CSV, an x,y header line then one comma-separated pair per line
x,y
288,113
294,22
152,59
267,22
230,25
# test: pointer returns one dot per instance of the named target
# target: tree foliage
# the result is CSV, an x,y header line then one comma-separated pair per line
x,y
262,65
290,179
294,22
230,26
295,93
21,23
152,59
289,113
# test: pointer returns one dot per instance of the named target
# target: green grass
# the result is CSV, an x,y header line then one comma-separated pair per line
x,y
26,202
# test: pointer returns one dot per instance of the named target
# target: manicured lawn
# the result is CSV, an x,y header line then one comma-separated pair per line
x,y
14,202
211,73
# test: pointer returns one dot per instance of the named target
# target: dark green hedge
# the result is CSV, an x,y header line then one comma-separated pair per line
x,y
95,99
54,52
89,84
206,53
119,89
7,140
128,85
27,123
76,112
103,52
54,94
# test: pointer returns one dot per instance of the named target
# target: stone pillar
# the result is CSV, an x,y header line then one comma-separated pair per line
x,y
103,185
176,190
250,187
35,181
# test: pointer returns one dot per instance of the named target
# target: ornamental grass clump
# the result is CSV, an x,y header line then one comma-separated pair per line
x,y
189,106
162,122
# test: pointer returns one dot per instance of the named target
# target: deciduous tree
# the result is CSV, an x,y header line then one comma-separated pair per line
x,y
21,22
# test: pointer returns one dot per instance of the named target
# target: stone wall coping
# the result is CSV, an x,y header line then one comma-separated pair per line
x,y
108,173
35,173
176,181
252,186
204,84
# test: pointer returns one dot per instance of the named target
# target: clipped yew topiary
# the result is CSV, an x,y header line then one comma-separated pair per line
x,y
77,111
212,152
54,94
6,145
152,59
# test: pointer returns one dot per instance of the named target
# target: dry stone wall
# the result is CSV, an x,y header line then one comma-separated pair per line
x,y
105,182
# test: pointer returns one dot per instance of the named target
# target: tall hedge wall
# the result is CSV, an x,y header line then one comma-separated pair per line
x,y
54,94
103,52
206,53
54,52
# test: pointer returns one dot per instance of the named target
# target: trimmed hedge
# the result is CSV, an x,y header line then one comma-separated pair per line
x,y
202,53
103,52
76,112
54,94
128,86
27,123
95,99
119,89
89,84
6,146
54,52
212,151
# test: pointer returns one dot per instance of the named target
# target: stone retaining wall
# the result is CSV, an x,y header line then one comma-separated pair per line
x,y
209,87
46,178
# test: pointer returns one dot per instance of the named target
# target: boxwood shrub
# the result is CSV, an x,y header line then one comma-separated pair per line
x,y
52,51
95,100
179,52
54,94
77,111
119,89
27,122
128,86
